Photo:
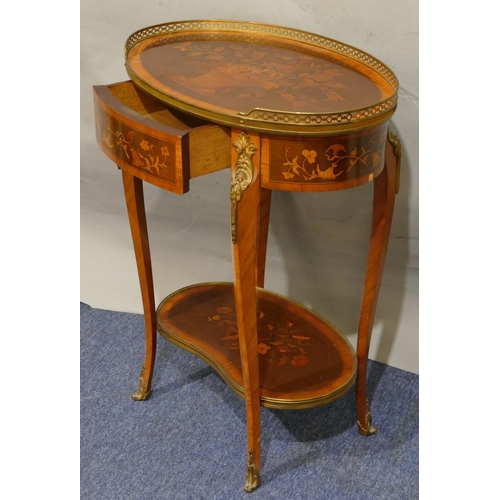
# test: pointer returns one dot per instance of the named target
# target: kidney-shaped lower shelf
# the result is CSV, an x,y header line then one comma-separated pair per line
x,y
303,360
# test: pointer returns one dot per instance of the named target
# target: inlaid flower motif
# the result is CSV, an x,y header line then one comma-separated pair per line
x,y
164,151
268,85
310,155
294,80
145,145
279,343
340,161
263,348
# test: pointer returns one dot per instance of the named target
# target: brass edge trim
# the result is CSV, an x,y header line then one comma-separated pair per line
x,y
242,177
303,404
280,32
309,116
225,119
266,401
264,28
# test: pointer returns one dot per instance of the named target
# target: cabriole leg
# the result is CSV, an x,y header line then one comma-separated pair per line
x,y
137,217
383,207
245,198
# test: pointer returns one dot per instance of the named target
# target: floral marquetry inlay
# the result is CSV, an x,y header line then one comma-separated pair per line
x,y
135,148
296,351
279,343
329,160
243,76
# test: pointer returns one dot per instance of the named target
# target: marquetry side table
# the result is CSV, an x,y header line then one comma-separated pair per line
x,y
285,110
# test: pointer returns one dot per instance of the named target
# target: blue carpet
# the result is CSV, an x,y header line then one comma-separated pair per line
x,y
188,441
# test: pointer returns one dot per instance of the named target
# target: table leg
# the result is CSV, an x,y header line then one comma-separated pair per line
x,y
245,198
134,196
383,207
262,234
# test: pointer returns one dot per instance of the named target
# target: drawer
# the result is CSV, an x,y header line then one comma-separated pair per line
x,y
323,163
158,144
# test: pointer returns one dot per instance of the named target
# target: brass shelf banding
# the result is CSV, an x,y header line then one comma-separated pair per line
x,y
300,400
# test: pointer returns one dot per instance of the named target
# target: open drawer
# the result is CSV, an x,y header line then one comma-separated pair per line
x,y
158,144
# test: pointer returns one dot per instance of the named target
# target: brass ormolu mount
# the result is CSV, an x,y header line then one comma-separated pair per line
x,y
142,394
366,428
253,476
242,177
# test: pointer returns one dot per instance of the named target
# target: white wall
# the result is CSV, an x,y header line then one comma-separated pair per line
x,y
318,241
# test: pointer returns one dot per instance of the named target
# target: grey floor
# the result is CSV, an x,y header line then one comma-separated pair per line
x,y
188,440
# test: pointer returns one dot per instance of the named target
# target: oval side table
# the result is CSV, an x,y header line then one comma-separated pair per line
x,y
284,110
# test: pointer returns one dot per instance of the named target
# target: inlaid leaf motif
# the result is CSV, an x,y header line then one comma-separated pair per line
x,y
137,150
327,173
334,96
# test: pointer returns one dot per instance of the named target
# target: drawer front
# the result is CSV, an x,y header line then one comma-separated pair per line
x,y
147,149
323,163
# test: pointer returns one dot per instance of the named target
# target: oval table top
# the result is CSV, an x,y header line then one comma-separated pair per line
x,y
261,77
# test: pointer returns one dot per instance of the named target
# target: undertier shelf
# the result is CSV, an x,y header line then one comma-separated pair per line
x,y
303,360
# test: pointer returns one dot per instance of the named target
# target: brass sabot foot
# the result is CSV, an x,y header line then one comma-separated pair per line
x,y
367,429
253,477
142,393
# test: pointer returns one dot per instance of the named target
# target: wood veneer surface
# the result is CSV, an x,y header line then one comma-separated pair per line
x,y
298,352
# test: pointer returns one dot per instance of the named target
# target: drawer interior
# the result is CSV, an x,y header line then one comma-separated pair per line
x,y
201,147
136,100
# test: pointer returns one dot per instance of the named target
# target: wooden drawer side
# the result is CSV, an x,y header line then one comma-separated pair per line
x,y
209,150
